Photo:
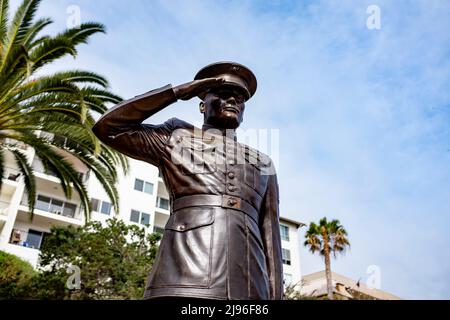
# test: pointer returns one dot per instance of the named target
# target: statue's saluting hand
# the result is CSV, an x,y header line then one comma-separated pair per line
x,y
191,89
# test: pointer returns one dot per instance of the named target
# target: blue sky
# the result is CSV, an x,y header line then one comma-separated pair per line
x,y
363,114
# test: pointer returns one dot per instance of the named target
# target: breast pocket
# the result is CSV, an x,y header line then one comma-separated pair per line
x,y
255,177
184,259
198,158
250,175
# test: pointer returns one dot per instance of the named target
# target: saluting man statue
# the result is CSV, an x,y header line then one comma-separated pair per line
x,y
222,240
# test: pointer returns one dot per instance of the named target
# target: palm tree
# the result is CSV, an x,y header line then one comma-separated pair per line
x,y
60,104
326,238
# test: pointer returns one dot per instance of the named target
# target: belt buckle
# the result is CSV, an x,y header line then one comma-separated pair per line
x,y
231,202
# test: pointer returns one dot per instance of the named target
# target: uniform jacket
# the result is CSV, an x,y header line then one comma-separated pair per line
x,y
222,240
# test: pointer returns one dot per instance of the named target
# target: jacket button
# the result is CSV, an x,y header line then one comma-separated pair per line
x,y
181,227
231,175
231,188
231,162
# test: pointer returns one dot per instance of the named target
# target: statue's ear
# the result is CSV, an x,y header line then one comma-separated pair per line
x,y
202,107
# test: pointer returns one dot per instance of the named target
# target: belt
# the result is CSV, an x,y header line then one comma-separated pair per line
x,y
224,201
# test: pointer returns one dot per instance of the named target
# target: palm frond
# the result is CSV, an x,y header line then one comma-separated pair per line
x,y
81,76
103,175
60,104
19,25
34,30
36,88
2,168
28,178
81,33
4,4
326,236
51,49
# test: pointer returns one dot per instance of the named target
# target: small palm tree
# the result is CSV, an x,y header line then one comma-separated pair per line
x,y
60,104
326,238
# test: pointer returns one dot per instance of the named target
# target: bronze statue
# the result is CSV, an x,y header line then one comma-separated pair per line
x,y
222,240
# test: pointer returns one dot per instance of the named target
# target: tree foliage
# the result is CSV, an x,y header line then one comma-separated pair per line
x,y
327,235
114,261
326,238
15,276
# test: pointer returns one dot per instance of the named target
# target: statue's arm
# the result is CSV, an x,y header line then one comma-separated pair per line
x,y
270,228
121,126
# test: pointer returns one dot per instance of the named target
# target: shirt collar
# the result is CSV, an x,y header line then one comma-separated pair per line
x,y
229,133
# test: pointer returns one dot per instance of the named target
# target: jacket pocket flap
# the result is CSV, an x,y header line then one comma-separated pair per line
x,y
190,218
197,143
257,159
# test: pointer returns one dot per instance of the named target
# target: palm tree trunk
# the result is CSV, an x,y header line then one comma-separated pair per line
x,y
328,267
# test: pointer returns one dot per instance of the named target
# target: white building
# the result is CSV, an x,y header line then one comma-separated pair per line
x,y
144,200
290,251
315,284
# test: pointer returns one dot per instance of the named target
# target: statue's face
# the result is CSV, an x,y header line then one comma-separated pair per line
x,y
224,107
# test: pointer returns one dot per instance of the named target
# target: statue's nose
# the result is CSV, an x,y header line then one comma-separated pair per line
x,y
231,100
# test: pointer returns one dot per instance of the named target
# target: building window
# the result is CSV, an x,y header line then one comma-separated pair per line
x,y
287,279
34,239
145,219
138,185
162,203
140,217
284,231
106,208
69,210
158,230
95,204
43,203
286,256
143,186
134,217
101,206
148,188
55,206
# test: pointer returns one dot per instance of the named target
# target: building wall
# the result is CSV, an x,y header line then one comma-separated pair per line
x,y
292,272
128,196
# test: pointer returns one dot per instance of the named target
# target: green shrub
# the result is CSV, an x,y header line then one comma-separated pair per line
x,y
15,276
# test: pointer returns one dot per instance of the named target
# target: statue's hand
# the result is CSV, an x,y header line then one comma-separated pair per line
x,y
191,89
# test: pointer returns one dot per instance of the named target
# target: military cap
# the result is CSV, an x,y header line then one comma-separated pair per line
x,y
235,74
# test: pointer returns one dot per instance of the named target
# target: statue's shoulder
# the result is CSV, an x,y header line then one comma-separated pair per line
x,y
176,123
180,129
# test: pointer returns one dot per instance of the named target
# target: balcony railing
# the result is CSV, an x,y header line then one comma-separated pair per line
x,y
55,206
30,239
